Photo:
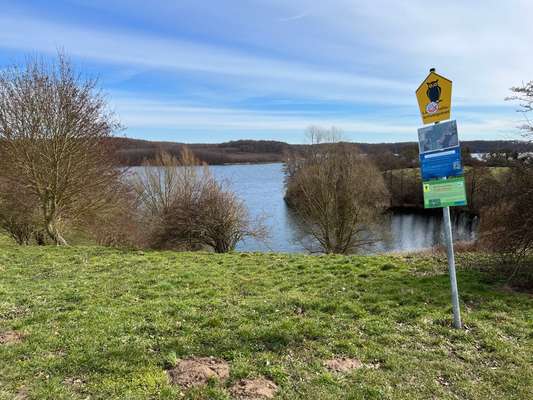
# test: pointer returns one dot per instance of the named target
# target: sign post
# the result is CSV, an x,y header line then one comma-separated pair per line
x,y
440,161
451,267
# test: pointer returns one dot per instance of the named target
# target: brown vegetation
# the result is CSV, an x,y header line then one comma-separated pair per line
x,y
386,156
337,193
483,186
506,222
119,223
19,216
184,207
134,152
52,130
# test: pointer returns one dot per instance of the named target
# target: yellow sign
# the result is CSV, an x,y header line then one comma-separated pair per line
x,y
434,97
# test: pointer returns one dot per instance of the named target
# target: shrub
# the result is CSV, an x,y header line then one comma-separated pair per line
x,y
338,194
19,216
118,225
186,208
506,226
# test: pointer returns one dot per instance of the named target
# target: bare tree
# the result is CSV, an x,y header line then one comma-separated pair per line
x,y
186,208
338,194
524,95
507,217
506,222
53,130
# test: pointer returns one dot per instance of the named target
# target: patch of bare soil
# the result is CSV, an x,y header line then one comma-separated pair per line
x,y
196,371
22,393
254,389
11,337
343,364
75,384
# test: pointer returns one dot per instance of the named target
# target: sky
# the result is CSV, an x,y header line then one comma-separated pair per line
x,y
199,71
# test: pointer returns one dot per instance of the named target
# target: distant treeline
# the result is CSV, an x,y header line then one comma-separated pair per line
x,y
133,152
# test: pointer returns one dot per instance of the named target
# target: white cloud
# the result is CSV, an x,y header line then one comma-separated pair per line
x,y
153,114
272,75
294,17
346,50
349,51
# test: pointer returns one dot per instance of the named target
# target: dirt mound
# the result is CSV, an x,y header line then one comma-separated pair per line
x,y
11,337
254,389
343,364
22,394
196,371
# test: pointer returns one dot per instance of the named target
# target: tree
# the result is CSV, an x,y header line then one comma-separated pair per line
x,y
507,219
524,95
506,223
337,192
187,208
53,127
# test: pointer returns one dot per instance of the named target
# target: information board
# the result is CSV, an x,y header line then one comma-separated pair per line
x,y
441,163
444,193
438,137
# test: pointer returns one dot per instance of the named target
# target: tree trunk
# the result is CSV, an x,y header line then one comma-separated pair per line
x,y
53,232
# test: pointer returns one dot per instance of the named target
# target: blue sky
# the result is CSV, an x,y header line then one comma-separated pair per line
x,y
212,71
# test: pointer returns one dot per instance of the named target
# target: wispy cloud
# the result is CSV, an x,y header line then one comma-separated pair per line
x,y
190,66
294,17
153,114
156,52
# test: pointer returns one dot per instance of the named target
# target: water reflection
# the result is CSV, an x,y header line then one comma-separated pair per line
x,y
411,231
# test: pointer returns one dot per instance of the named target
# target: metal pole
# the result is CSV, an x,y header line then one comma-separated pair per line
x,y
448,236
451,267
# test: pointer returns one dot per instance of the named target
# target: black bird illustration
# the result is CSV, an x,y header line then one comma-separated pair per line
x,y
433,91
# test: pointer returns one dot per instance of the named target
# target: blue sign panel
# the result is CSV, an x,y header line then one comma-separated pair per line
x,y
441,164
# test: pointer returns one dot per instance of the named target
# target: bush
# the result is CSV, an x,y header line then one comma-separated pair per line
x,y
337,192
185,208
506,226
119,224
19,216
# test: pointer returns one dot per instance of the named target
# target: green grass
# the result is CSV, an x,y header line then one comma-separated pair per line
x,y
115,320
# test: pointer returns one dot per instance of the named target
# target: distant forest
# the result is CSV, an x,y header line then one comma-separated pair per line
x,y
133,152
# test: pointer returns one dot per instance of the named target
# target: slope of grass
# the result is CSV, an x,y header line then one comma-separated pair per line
x,y
105,324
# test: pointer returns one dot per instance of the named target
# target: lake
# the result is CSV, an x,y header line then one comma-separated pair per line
x,y
261,187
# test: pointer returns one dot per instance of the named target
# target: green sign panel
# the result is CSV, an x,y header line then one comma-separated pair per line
x,y
444,192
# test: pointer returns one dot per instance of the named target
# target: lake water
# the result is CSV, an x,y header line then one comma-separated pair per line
x,y
261,187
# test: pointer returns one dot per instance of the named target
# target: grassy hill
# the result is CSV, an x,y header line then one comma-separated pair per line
x,y
96,323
